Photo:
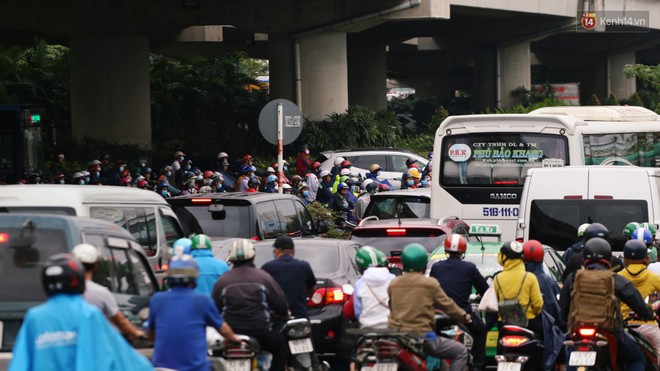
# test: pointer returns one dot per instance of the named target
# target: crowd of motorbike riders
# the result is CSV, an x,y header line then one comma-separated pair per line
x,y
68,331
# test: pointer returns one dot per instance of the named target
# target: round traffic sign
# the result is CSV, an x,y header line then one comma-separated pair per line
x,y
292,121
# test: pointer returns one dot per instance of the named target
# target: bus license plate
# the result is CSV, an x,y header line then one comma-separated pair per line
x,y
238,364
582,359
301,346
385,367
509,366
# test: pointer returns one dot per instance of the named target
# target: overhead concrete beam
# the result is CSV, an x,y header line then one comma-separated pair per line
x,y
565,8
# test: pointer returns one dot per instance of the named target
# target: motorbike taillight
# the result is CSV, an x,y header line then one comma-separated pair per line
x,y
387,349
587,332
238,351
513,340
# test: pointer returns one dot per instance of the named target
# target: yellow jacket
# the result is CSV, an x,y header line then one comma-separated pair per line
x,y
645,282
508,283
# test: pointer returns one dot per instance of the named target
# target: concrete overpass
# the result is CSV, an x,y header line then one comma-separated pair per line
x,y
326,54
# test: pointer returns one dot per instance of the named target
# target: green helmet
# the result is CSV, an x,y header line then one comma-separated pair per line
x,y
630,228
368,256
414,257
200,242
581,229
650,227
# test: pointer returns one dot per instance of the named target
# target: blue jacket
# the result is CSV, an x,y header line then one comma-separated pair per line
x,y
67,333
372,176
553,341
457,277
210,269
572,250
549,291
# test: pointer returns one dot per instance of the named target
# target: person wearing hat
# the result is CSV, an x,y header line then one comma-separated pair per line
x,y
303,163
178,159
324,194
294,276
210,267
57,169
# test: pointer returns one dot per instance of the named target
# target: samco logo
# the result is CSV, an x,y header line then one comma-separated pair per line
x,y
588,21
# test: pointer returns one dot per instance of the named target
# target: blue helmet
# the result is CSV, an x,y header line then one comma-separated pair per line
x,y
272,178
183,271
246,169
183,244
642,234
341,186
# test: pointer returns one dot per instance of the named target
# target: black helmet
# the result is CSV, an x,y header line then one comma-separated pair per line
x,y
254,183
512,250
63,273
635,249
597,250
596,230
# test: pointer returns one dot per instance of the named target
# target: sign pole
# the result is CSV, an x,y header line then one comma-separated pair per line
x,y
280,149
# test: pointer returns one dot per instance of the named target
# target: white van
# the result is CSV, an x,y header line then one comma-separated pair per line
x,y
556,201
143,213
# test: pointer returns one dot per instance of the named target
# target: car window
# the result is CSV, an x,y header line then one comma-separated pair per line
x,y
305,218
233,225
140,221
288,218
389,207
268,220
120,270
324,261
398,163
39,209
20,262
551,266
365,161
393,245
171,228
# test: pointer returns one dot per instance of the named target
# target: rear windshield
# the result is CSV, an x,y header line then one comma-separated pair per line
x,y
39,209
20,261
393,245
555,222
498,159
234,225
389,207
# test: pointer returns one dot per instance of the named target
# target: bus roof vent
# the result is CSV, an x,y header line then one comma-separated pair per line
x,y
601,113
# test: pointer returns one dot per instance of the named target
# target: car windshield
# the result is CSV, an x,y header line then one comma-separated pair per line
x,y
395,207
388,245
20,259
233,225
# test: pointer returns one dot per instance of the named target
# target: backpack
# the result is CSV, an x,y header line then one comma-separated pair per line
x,y
511,310
593,300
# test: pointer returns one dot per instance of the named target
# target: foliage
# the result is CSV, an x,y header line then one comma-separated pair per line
x,y
358,127
424,110
421,144
594,101
321,212
611,100
532,96
649,75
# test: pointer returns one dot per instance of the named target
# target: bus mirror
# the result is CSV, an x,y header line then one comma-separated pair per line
x,y
217,211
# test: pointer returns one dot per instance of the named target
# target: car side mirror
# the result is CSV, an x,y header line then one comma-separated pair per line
x,y
218,211
321,226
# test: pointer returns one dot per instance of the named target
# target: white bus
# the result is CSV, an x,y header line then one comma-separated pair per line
x,y
481,160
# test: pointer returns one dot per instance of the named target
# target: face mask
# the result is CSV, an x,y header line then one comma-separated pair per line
x,y
286,168
98,174
143,164
121,168
163,193
61,181
377,173
188,167
218,188
169,173
181,159
411,183
81,182
252,176
306,151
305,193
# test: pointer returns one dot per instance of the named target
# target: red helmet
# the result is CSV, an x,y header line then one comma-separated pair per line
x,y
346,163
208,174
316,165
533,251
143,184
455,243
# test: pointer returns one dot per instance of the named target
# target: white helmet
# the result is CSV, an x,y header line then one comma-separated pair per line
x,y
78,175
222,154
270,169
325,173
338,160
365,183
86,253
241,250
344,172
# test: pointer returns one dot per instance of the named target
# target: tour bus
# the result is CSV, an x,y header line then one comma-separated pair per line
x,y
482,160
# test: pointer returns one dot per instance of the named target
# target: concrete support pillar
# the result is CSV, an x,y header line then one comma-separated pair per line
x,y
484,78
514,71
367,76
281,66
110,91
324,74
617,82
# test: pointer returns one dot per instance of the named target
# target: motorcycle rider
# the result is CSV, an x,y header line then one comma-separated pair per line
x,y
369,187
271,184
98,295
304,194
374,173
458,277
68,333
342,204
180,340
577,246
178,160
336,166
636,260
597,254
313,180
370,303
210,267
246,296
413,301
577,260
303,163
515,283
324,194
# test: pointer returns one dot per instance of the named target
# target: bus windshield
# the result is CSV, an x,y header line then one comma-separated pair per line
x,y
498,159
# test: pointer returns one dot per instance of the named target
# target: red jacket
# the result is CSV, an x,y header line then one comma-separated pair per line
x,y
303,164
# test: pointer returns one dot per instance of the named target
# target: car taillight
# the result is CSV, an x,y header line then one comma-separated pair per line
x,y
255,238
519,239
201,201
327,296
587,332
396,231
513,341
4,237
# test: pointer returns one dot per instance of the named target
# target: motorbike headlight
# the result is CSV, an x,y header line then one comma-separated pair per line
x,y
299,331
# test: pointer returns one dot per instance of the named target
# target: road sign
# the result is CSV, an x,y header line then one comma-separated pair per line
x,y
292,121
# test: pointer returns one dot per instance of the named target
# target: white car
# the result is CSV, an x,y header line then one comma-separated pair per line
x,y
392,161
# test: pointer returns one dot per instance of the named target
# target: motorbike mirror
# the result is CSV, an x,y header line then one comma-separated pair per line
x,y
348,289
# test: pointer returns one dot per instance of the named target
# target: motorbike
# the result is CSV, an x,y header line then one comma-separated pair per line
x,y
244,356
297,333
518,349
